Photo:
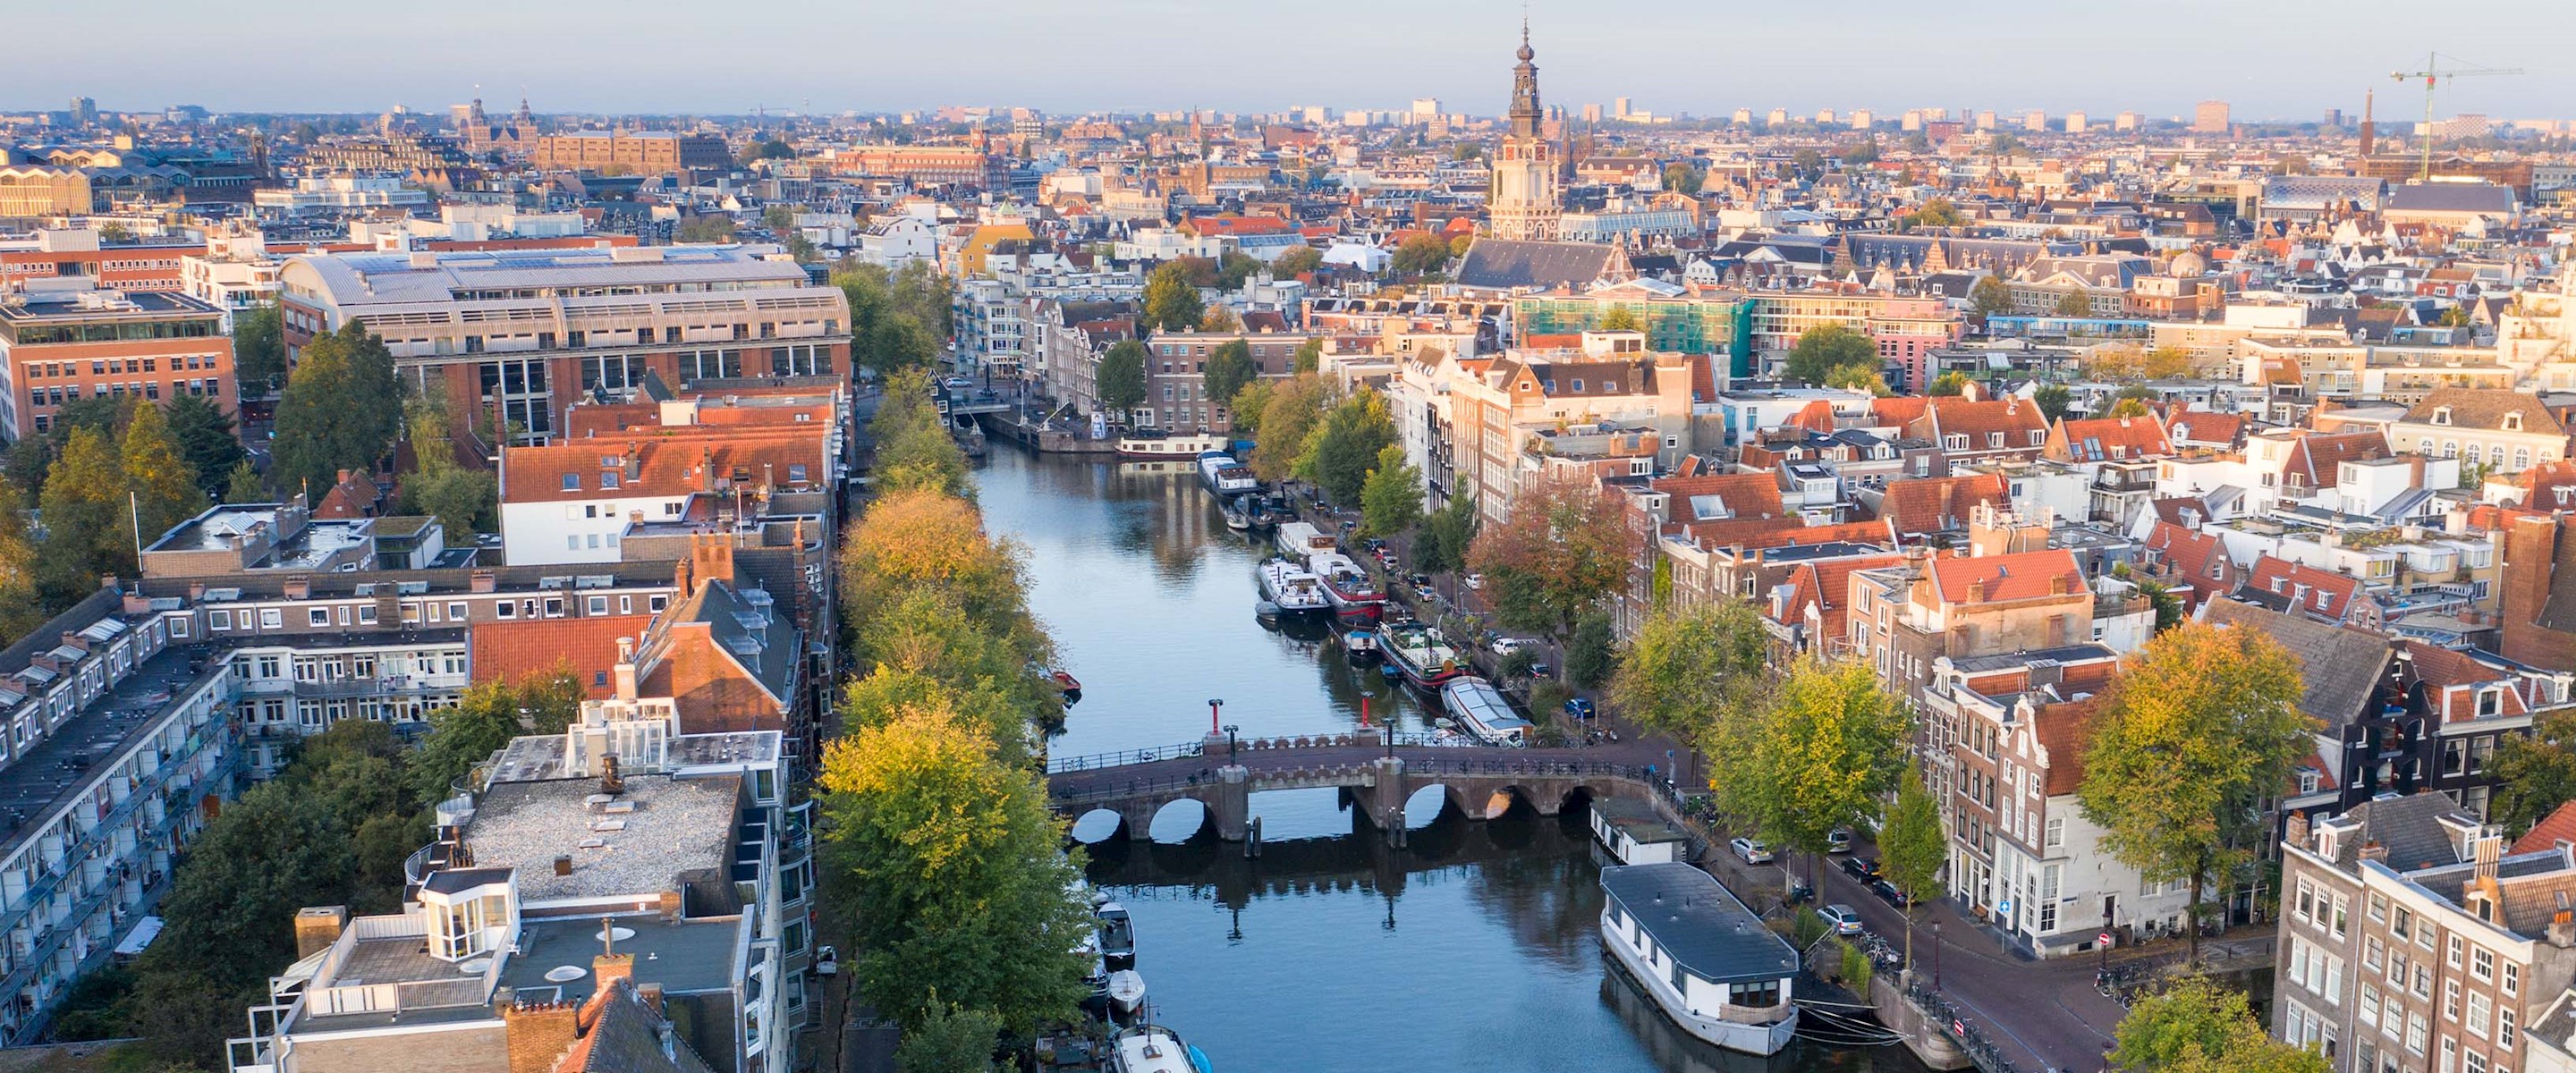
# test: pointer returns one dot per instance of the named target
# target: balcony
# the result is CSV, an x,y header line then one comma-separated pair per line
x,y
379,687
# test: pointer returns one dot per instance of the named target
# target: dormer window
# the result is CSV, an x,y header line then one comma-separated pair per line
x,y
2441,415
2513,421
572,482
2490,702
1994,439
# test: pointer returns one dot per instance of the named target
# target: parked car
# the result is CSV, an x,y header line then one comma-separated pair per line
x,y
1751,851
1861,868
1475,581
1504,646
1578,708
827,961
1888,893
961,381
1838,840
1540,669
1845,919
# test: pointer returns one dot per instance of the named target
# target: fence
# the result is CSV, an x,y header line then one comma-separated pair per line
x,y
1972,1041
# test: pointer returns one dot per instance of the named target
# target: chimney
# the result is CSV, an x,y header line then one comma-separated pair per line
x,y
196,591
2294,831
2486,851
672,906
317,927
563,864
607,969
299,587
483,581
625,670
2374,851
2057,585
537,1033
2562,929
1977,591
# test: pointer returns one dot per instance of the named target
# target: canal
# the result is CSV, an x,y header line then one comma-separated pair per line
x,y
1473,949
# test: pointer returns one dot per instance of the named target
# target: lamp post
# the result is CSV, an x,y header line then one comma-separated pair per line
x,y
1229,743
1215,704
1936,953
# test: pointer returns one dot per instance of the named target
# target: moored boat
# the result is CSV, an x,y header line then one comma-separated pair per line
x,y
1117,936
1185,448
1355,598
1155,1049
1238,514
1294,588
1126,991
1360,645
1709,962
1225,476
1420,655
1483,711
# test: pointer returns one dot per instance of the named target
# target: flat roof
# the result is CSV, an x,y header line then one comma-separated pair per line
x,y
67,305
535,757
65,764
1693,917
643,840
683,956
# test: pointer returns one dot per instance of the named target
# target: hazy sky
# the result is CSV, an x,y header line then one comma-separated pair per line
x,y
2270,58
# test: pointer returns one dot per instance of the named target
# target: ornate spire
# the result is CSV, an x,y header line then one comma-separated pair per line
x,y
1525,107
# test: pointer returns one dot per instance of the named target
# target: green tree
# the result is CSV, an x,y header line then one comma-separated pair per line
x,y
259,351
2127,405
22,607
2052,400
2199,730
1391,499
1246,405
1859,377
1937,212
1807,163
206,440
947,1039
1119,383
163,487
1690,668
1446,534
1829,744
484,719
1298,261
913,445
242,484
2535,774
1592,652
2074,303
1990,297
1229,367
2197,1026
898,319
88,531
921,538
1234,268
1288,418
1864,153
1172,302
1341,451
1824,348
465,500
341,410
1309,357
709,227
1562,546
1913,850
1421,254
1953,382
1218,320
269,853
1681,178
1619,319
951,860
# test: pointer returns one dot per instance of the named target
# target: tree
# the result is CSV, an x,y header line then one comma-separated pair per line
x,y
1246,405
1172,302
1859,377
1446,534
2199,729
2197,1026
920,538
1690,668
711,227
1619,319
1807,162
1563,544
1309,357
1421,254
2535,774
1990,297
1824,348
913,447
2075,303
1953,382
1298,261
771,149
1229,367
1681,178
1219,320
242,484
2052,400
1233,269
484,719
88,534
1912,849
2127,406
1936,212
464,500
898,319
948,1040
1290,416
259,351
1119,383
163,486
1828,745
1342,450
1592,652
21,607
1391,498
272,851
340,411
1864,153
205,436
951,858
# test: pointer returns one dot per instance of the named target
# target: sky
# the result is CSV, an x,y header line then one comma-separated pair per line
x,y
2288,59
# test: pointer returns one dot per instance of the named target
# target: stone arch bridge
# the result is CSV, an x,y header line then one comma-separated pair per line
x,y
1377,778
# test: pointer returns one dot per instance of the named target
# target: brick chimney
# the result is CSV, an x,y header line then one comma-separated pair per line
x,y
2562,930
2374,851
299,587
625,669
607,969
483,581
671,905
2294,831
538,1033
317,927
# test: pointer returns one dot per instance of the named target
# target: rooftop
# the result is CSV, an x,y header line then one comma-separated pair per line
x,y
643,842
47,776
683,956
1697,921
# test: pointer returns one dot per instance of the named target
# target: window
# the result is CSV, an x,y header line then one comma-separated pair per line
x,y
2450,1054
271,618
456,612
572,482
505,609
2512,980
2454,954
2504,1027
2369,1005
2482,964
2450,1000
2415,1033
222,620
2373,952
2379,908
2481,1011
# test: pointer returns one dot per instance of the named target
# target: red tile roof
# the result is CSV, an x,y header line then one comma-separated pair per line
x,y
509,651
2103,438
2317,459
674,463
2559,826
1935,504
2023,575
2015,419
2318,593
2550,486
2204,428
2196,559
1745,495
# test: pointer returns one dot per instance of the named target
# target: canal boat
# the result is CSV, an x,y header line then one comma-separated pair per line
x,y
1705,959
1484,712
1356,600
1294,588
1238,513
1154,448
1360,646
1634,833
1126,992
1420,655
1155,1049
1096,976
1302,541
1225,476
1117,936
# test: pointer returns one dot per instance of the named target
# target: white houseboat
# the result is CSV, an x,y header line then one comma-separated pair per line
x,y
1183,448
1225,476
1635,833
1701,955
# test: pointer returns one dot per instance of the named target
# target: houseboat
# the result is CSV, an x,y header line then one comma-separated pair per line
x,y
1225,476
1420,655
1634,833
1482,711
1701,955
1302,541
1294,588
1144,448
1356,600
1360,646
1155,1049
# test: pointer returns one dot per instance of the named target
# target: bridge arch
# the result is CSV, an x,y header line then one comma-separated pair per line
x,y
1178,819
1097,826
1432,800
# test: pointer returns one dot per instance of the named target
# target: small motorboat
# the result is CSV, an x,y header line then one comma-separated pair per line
x,y
1117,936
1126,991
1360,646
1238,515
1265,611
1155,1049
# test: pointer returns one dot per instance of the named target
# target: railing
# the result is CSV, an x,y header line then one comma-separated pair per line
x,y
151,786
1096,761
1133,788
1957,1027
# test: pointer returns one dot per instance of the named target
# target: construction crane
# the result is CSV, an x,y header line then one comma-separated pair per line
x,y
2433,74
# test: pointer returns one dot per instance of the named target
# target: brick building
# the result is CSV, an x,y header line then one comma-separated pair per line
x,y
640,152
61,346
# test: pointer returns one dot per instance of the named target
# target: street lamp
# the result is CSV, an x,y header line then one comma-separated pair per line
x,y
1229,742
1214,705
1936,953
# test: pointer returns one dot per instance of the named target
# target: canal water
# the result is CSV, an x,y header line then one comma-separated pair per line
x,y
1472,949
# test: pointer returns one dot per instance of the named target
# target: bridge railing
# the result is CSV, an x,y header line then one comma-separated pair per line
x,y
1130,788
1058,765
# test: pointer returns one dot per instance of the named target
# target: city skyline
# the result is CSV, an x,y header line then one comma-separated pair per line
x,y
869,61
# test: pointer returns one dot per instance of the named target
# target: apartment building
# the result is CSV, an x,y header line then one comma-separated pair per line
x,y
526,333
119,731
1906,329
61,345
69,253
1176,395
622,861
2411,940
2508,431
633,152
1682,322
1905,618
1496,414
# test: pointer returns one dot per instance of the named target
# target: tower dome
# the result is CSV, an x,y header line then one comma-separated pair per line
x,y
2188,263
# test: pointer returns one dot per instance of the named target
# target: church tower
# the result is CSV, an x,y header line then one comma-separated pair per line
x,y
1525,202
